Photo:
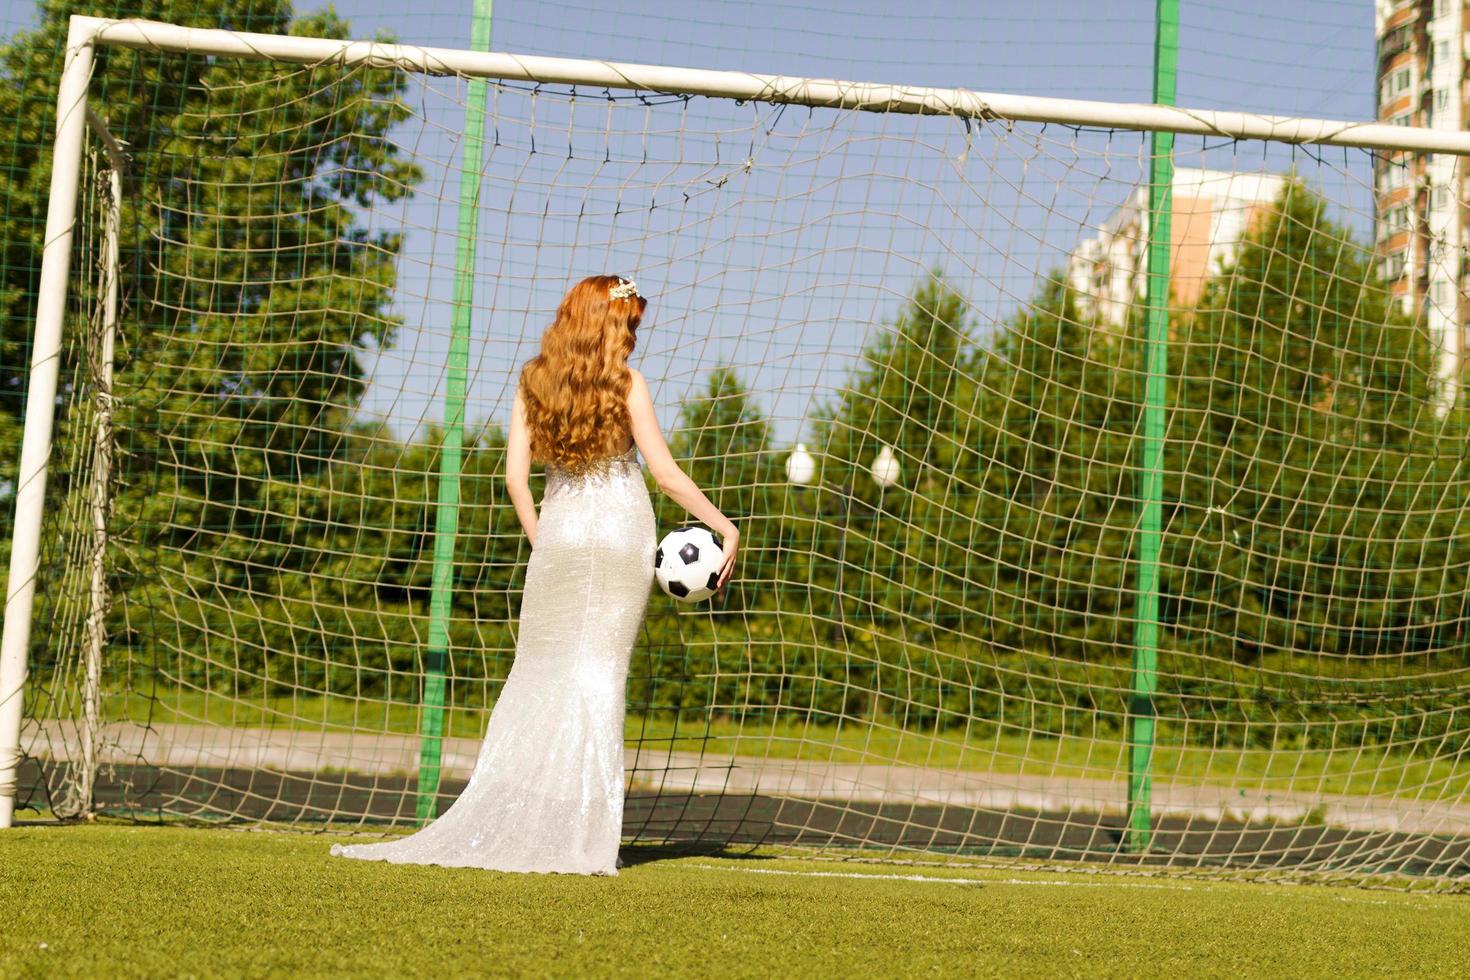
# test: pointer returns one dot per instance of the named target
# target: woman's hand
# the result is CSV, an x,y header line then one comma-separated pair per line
x,y
731,545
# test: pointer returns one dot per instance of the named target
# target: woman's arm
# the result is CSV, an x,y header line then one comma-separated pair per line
x,y
672,480
518,469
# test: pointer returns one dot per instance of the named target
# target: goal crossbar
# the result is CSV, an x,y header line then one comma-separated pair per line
x,y
786,89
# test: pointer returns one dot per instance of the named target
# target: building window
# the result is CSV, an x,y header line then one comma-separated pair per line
x,y
1396,41
1393,265
1441,52
1440,293
1441,99
1439,198
1402,119
1395,175
1402,79
1440,7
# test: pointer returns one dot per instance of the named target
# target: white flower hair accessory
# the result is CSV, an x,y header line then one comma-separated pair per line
x,y
624,289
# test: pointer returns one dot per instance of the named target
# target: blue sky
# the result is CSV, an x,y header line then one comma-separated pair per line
x,y
1307,57
776,239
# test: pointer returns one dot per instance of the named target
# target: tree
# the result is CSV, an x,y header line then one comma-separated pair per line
x,y
1042,444
884,542
254,284
723,442
1312,494
138,94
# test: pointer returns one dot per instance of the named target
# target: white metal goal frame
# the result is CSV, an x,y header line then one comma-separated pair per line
x,y
72,115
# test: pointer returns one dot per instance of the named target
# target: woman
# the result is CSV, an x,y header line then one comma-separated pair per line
x,y
546,793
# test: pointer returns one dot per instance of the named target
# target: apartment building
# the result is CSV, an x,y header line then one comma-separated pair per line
x,y
1421,211
1212,210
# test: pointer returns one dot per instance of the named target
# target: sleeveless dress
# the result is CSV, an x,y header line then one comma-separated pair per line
x,y
546,793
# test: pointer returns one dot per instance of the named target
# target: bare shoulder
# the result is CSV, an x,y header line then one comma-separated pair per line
x,y
639,388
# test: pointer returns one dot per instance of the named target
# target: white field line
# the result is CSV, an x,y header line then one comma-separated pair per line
x,y
947,881
1297,890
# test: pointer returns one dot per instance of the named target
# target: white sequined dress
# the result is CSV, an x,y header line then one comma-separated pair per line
x,y
546,793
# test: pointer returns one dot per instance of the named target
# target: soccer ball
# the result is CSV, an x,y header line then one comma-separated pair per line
x,y
687,563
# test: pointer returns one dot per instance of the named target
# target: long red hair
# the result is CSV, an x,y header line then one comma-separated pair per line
x,y
576,389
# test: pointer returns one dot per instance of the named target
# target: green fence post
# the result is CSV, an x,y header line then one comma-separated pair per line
x,y
1146,637
446,512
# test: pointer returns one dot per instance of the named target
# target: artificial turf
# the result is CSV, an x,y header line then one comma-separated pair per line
x,y
125,900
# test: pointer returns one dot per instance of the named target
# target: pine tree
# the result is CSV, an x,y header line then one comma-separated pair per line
x,y
1310,485
877,547
723,442
1043,446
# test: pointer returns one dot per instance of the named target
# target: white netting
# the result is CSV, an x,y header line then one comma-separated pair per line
x,y
930,644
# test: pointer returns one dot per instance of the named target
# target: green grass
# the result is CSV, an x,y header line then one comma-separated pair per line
x,y
1374,770
130,901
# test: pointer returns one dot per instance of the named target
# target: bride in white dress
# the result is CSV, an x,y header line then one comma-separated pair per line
x,y
546,793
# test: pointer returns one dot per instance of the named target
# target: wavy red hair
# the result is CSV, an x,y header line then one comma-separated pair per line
x,y
575,390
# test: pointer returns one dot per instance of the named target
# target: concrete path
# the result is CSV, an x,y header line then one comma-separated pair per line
x,y
185,746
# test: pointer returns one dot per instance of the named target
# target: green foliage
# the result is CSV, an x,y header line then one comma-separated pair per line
x,y
266,539
1311,487
1313,499
881,551
1051,424
149,93
254,290
723,441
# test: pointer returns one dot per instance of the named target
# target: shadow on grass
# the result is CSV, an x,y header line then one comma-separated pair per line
x,y
632,855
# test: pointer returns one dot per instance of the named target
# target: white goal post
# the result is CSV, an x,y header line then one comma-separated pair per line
x,y
72,114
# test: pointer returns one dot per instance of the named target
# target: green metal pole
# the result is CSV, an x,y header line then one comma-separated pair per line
x,y
1156,356
446,514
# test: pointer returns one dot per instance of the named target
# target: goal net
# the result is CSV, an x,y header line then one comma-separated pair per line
x,y
1046,557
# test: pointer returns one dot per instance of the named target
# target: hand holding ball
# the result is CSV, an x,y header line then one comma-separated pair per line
x,y
687,563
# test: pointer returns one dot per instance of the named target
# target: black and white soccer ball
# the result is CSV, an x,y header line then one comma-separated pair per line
x,y
687,563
